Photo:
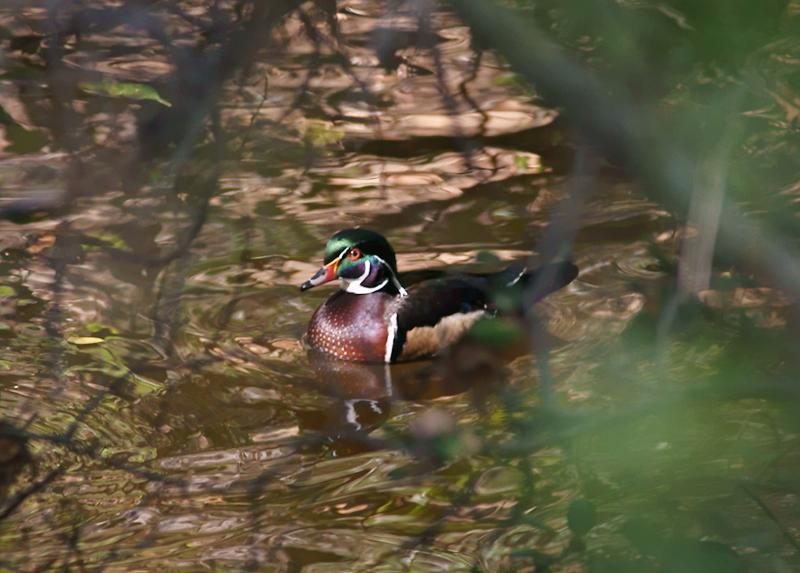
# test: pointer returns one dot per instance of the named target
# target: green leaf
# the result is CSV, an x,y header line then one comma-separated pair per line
x,y
84,340
142,386
496,332
109,239
20,139
6,290
581,517
319,133
124,89
99,329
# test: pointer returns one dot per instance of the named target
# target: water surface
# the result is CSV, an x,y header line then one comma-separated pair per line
x,y
201,436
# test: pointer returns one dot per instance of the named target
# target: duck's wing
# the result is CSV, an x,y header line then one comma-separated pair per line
x,y
547,278
430,301
409,278
436,313
439,311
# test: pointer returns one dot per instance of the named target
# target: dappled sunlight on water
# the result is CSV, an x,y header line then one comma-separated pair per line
x,y
264,445
203,436
271,458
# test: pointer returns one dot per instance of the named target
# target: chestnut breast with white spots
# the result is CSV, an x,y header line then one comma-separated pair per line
x,y
352,326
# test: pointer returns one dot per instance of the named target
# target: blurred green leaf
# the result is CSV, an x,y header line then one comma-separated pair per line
x,y
21,139
320,134
124,89
581,517
142,386
496,332
107,238
84,340
100,329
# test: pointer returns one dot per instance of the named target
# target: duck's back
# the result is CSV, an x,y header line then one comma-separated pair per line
x,y
439,311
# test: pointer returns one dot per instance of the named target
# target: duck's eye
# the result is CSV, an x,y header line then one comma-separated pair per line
x,y
354,254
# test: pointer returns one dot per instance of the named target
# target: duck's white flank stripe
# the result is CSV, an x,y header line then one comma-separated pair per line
x,y
351,415
387,380
391,334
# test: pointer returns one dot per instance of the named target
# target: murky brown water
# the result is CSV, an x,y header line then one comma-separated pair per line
x,y
205,439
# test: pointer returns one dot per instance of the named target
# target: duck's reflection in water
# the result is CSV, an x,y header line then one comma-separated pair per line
x,y
364,395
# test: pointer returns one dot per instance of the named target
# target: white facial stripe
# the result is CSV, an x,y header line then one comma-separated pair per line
x,y
391,334
354,285
357,288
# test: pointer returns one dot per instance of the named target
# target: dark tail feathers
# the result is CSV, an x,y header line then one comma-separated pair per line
x,y
538,283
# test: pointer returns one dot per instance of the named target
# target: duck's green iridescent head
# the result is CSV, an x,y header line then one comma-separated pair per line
x,y
363,259
368,242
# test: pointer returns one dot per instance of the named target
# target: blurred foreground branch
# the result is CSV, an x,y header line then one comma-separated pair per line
x,y
626,133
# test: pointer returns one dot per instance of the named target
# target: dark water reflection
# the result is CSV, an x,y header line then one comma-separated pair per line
x,y
210,440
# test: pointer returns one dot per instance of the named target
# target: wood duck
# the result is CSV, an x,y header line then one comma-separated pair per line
x,y
373,318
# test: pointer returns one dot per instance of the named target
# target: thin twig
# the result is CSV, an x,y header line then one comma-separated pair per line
x,y
787,534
